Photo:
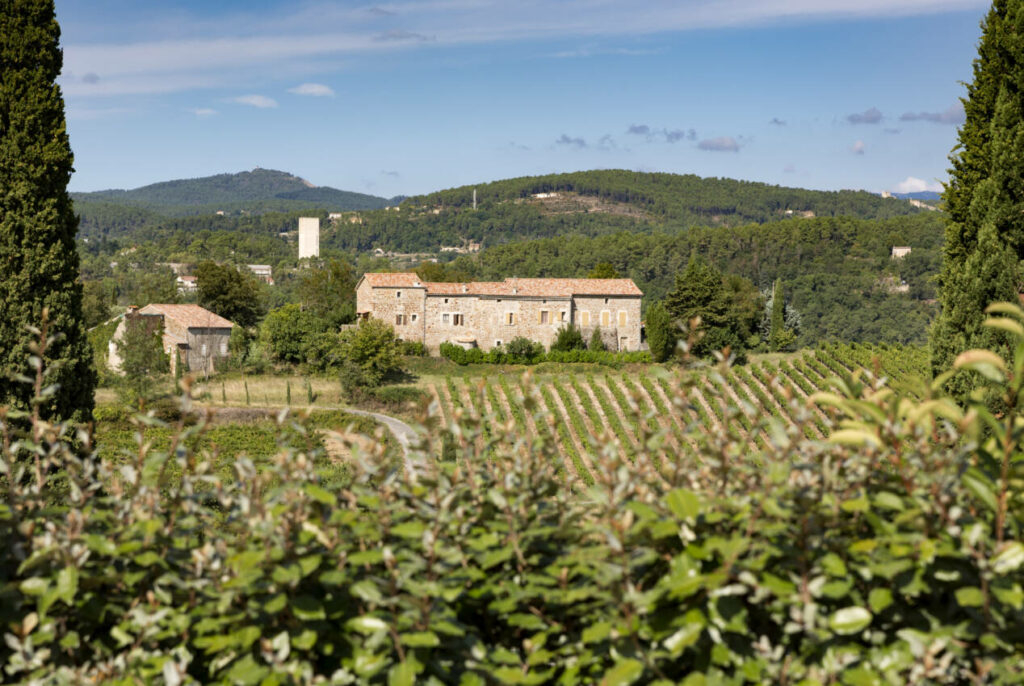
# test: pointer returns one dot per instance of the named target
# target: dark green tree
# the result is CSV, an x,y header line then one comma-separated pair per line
x,y
568,338
985,193
780,338
603,270
328,292
37,222
596,340
143,359
228,292
662,332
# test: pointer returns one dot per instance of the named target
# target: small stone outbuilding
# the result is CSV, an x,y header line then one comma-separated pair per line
x,y
199,337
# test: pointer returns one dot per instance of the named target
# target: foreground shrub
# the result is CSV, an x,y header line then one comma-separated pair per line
x,y
890,553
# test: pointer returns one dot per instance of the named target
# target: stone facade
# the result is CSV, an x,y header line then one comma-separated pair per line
x,y
487,314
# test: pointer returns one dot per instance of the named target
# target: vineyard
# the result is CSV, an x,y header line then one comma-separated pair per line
x,y
586,414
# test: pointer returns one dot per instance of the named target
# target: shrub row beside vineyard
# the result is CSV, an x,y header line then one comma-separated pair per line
x,y
889,553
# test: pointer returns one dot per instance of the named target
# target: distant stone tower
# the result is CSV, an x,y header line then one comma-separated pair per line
x,y
309,237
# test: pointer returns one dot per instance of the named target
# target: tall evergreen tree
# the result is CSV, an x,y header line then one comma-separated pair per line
x,y
38,257
662,332
985,194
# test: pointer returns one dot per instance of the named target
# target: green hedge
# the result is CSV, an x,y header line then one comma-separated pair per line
x,y
462,356
890,553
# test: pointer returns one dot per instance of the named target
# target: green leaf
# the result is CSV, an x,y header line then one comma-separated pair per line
x,y
879,599
67,584
247,671
889,501
148,559
684,638
969,596
625,672
367,624
980,486
366,590
597,632
305,640
421,639
1009,558
410,529
34,586
307,608
320,495
402,674
849,620
684,504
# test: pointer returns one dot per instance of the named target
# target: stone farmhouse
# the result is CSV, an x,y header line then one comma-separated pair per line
x,y
488,314
199,336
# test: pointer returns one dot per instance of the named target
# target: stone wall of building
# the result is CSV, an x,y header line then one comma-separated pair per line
x,y
207,349
617,316
489,321
402,308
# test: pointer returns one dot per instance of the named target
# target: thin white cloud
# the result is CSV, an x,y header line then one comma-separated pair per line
x,y
203,112
720,144
260,101
870,116
858,148
281,40
954,115
912,184
316,90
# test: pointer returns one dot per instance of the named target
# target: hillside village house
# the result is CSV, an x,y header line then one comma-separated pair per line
x,y
199,336
488,314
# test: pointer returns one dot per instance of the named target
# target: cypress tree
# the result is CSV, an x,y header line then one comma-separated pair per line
x,y
38,257
662,334
985,194
778,323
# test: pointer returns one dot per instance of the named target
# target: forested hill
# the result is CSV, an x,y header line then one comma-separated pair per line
x,y
259,190
681,199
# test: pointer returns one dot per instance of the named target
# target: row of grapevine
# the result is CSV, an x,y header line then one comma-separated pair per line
x,y
670,411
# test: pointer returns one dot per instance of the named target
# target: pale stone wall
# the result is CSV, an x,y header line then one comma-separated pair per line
x,y
387,304
485,319
618,317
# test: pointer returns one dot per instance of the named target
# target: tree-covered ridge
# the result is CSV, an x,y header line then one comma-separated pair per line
x,y
838,272
681,199
255,191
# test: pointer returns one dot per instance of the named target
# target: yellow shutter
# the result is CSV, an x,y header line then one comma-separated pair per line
x,y
622,318
585,318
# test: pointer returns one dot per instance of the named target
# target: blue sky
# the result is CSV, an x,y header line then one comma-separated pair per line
x,y
411,96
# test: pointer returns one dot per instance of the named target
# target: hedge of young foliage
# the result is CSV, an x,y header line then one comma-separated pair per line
x,y
533,353
890,554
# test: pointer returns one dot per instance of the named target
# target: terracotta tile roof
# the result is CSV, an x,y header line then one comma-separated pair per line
x,y
392,280
538,288
189,316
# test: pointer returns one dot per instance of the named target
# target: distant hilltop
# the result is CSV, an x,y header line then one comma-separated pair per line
x,y
259,190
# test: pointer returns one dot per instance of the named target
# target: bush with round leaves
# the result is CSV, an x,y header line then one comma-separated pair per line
x,y
889,553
